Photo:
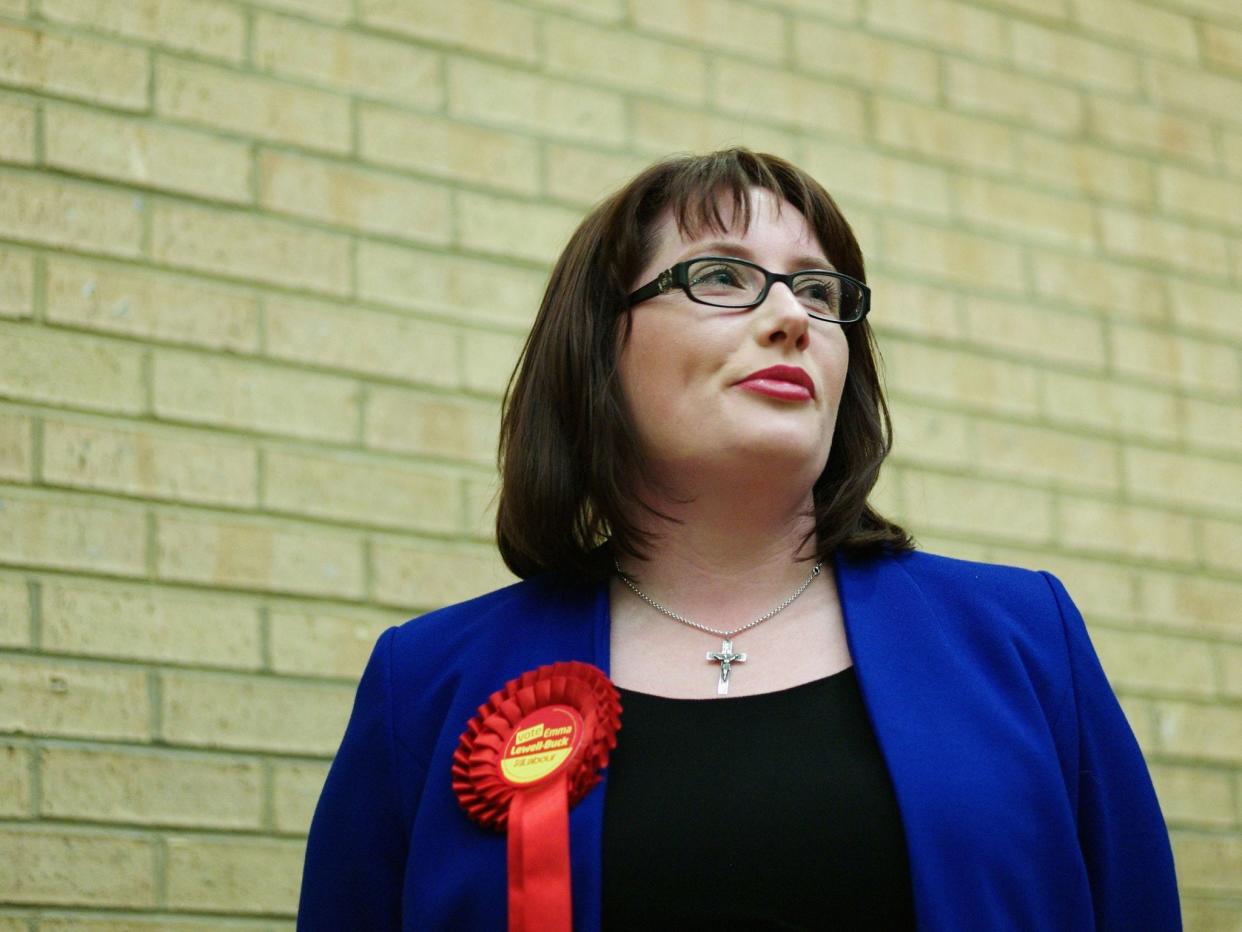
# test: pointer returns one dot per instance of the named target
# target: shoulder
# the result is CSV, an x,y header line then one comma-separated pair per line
x,y
972,582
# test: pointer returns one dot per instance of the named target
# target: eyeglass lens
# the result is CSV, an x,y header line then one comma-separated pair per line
x,y
737,284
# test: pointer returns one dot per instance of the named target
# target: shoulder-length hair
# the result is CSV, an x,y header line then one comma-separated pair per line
x,y
569,450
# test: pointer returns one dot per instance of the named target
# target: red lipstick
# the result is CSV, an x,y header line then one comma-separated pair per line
x,y
788,383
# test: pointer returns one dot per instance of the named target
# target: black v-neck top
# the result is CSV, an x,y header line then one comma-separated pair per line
x,y
772,811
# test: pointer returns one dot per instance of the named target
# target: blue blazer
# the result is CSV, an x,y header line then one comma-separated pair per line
x,y
1024,797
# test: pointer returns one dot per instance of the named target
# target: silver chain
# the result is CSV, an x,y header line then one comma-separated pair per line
x,y
727,635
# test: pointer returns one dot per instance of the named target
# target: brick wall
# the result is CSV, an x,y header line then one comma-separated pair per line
x,y
264,268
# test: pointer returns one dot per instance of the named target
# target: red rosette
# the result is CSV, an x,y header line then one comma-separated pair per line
x,y
536,748
477,777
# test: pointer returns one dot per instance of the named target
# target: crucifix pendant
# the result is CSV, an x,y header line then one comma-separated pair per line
x,y
726,658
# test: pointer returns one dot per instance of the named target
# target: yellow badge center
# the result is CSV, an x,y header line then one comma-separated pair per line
x,y
541,744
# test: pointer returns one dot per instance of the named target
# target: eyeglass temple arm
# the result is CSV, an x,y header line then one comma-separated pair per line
x,y
664,283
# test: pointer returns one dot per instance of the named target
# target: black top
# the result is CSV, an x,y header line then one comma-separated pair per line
x,y
761,812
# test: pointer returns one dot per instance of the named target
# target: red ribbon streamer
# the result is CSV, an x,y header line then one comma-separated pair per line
x,y
539,879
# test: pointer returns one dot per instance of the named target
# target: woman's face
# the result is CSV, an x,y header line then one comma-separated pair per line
x,y
688,370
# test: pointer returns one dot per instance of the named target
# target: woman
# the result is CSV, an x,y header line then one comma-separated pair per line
x,y
822,726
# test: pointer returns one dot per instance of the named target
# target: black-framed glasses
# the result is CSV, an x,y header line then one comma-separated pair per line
x,y
726,281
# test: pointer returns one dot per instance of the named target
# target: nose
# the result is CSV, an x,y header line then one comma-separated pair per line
x,y
781,318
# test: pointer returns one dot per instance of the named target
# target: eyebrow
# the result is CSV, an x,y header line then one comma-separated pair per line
x,y
728,248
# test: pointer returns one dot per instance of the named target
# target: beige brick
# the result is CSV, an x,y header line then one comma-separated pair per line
x,y
149,624
842,10
357,199
1038,454
74,66
1204,307
1136,236
1214,426
1040,332
1150,130
609,11
1139,25
941,23
1222,46
1099,588
139,152
147,463
869,61
238,244
623,60
1199,196
1212,733
856,173
448,149
262,713
15,8
997,93
14,782
489,359
150,788
329,11
1201,914
1176,478
71,534
17,131
1056,54
755,92
352,338
361,490
1231,669
1194,90
1221,543
524,101
1189,601
76,868
660,129
52,212
520,229
14,614
969,380
48,697
415,574
1120,292
434,425
977,506
69,369
297,790
1084,169
960,140
480,25
906,307
253,396
235,874
320,642
340,60
583,176
1110,406
1138,533
962,258
253,106
17,273
16,447
482,497
212,30
1174,360
1028,214
151,305
249,554
1145,663
932,437
1208,862
1194,794
753,32
472,290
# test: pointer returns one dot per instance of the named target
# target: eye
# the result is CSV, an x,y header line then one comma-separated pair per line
x,y
716,276
819,291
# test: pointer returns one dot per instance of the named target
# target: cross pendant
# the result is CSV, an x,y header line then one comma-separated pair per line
x,y
726,658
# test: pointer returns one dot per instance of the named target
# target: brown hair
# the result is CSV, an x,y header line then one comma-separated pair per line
x,y
569,450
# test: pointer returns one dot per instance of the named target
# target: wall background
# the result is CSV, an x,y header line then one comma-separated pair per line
x,y
264,269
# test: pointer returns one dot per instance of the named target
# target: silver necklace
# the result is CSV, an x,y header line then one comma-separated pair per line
x,y
725,656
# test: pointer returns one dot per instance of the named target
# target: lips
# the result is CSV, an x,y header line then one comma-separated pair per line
x,y
786,382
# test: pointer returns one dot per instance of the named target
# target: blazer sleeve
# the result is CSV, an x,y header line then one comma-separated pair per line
x,y
1121,830
357,847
